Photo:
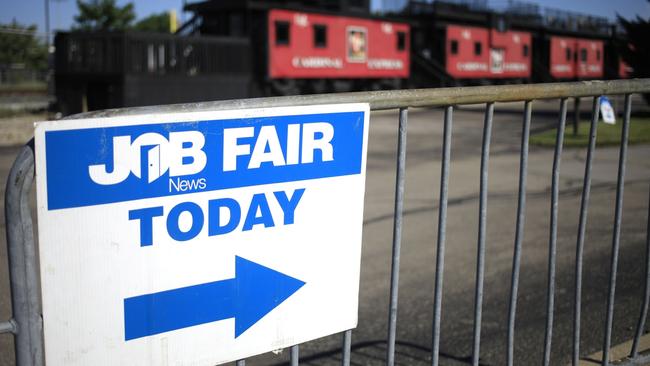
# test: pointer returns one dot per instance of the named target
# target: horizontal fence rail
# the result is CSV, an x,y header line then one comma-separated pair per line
x,y
395,99
26,323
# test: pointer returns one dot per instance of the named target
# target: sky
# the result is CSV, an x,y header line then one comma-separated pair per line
x,y
62,11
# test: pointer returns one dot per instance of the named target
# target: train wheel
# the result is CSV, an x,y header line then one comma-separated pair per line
x,y
342,85
284,87
319,86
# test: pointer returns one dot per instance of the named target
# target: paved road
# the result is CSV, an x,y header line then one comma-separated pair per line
x,y
418,250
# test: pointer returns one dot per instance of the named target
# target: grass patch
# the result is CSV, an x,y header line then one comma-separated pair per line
x,y
607,135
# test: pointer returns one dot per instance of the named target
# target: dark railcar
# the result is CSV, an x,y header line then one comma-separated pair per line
x,y
99,70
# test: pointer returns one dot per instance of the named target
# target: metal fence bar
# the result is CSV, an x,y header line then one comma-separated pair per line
x,y
23,268
295,355
519,233
480,255
397,235
394,99
347,347
640,327
584,205
617,229
552,248
8,327
442,223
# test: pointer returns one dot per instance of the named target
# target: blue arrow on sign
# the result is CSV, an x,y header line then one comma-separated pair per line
x,y
253,293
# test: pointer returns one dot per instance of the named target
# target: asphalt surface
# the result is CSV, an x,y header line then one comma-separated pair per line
x,y
419,240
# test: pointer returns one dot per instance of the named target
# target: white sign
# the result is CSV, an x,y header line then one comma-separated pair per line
x,y
607,111
199,238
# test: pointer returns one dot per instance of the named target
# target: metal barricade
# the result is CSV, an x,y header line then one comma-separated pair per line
x,y
26,323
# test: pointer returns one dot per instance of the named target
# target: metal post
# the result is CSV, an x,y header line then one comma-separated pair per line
x,y
397,236
640,327
584,205
519,233
442,230
347,347
23,270
620,184
47,26
552,248
480,256
295,355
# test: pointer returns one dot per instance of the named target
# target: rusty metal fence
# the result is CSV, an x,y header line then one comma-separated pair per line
x,y
26,323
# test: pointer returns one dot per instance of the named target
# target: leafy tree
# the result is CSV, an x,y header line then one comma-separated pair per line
x,y
19,45
154,23
635,49
103,15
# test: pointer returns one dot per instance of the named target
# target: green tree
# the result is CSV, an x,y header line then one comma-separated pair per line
x,y
103,15
635,49
19,45
154,23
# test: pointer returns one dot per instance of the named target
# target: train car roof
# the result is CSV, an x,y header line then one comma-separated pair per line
x,y
213,6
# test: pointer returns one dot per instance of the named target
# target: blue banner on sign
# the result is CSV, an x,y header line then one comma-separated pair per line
x,y
113,164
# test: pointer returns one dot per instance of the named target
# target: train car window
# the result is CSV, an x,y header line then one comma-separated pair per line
x,y
598,55
478,48
525,50
74,53
568,54
161,58
320,36
281,33
583,55
401,41
151,58
454,47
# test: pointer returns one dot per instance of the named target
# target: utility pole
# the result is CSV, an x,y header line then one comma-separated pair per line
x,y
47,25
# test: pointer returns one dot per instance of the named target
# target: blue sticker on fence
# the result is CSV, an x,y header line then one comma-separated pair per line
x,y
113,164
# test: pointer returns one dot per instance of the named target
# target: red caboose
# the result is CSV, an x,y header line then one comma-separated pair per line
x,y
624,70
575,58
307,46
477,53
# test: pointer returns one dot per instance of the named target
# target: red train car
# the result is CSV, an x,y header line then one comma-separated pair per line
x,y
624,70
476,53
589,64
572,58
317,46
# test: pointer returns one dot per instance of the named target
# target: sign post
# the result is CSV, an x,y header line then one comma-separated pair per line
x,y
199,238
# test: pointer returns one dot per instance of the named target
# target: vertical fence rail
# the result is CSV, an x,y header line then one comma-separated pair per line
x,y
23,270
442,223
584,205
295,355
397,235
640,327
552,247
620,183
347,347
519,233
480,255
